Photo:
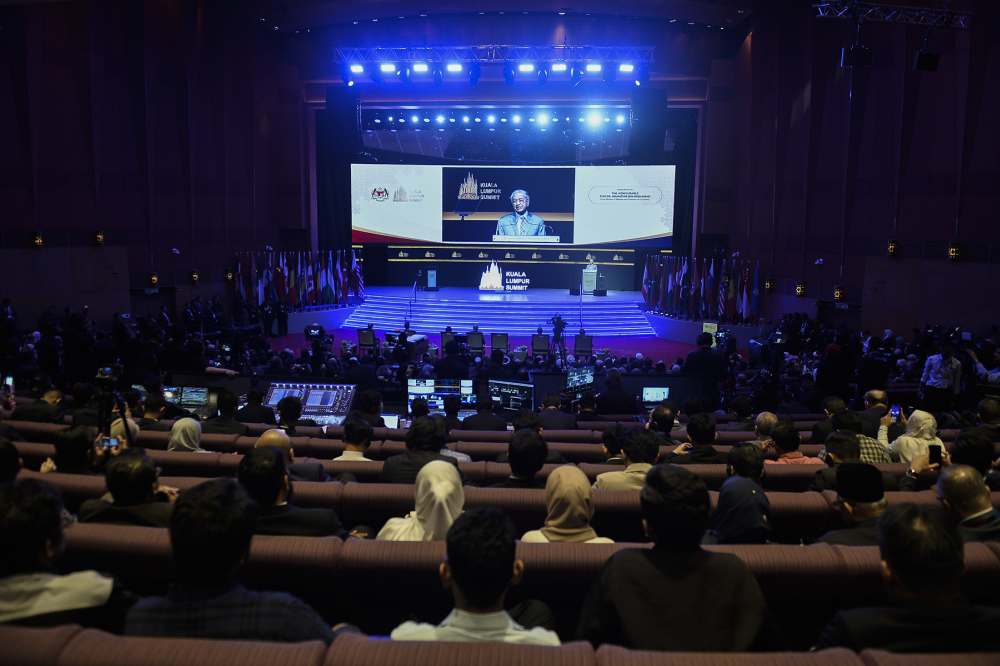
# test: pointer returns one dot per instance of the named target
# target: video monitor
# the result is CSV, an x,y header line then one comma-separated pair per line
x,y
512,396
654,395
475,339
326,404
499,341
434,392
194,396
578,378
172,394
391,420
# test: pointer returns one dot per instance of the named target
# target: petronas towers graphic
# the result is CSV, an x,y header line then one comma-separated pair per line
x,y
469,189
492,280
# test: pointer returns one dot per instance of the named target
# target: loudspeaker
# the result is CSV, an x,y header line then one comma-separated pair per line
x,y
600,292
574,291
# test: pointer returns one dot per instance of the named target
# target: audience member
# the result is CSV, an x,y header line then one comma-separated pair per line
x,y
31,593
988,411
612,440
452,404
84,412
484,418
841,446
290,414
552,417
306,470
264,475
615,399
10,462
975,448
570,509
226,422
136,495
153,408
480,567
705,368
357,439
210,534
941,380
763,427
369,406
526,454
75,451
255,411
922,564
640,451
423,445
699,451
419,409
47,409
786,440
662,421
961,490
675,596
185,435
872,451
444,433
861,499
821,430
439,501
743,510
921,433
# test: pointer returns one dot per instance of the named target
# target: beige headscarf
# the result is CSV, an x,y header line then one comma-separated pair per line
x,y
921,433
439,501
568,498
185,436
118,430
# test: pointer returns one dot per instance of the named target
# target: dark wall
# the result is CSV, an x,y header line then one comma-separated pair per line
x,y
165,123
804,164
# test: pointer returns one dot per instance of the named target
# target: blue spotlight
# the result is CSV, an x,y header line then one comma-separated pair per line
x,y
559,67
357,69
453,67
420,67
626,68
414,119
526,67
543,118
620,119
593,67
440,120
490,119
516,119
465,119
594,119
387,68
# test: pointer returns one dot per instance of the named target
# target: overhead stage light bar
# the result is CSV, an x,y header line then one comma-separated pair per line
x,y
588,118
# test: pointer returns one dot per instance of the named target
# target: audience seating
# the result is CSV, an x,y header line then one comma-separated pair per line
x,y
71,645
398,581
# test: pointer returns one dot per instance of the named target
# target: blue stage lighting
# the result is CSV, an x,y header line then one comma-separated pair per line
x,y
620,119
378,121
453,67
440,120
543,118
516,119
357,69
526,67
427,120
478,119
465,119
491,119
474,72
414,119
559,67
593,67
420,67
391,119
626,68
387,68
594,119
350,84
509,74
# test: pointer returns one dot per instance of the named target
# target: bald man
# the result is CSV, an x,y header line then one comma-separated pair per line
x,y
877,406
961,490
297,471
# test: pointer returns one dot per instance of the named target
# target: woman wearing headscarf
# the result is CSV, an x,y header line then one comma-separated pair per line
x,y
570,508
920,435
742,514
439,501
185,435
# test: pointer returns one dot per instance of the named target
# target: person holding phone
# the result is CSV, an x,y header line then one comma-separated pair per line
x,y
137,498
920,434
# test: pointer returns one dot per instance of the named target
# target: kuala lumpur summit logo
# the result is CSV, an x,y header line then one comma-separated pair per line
x,y
469,189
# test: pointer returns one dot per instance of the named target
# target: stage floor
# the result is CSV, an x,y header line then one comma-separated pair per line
x,y
532,296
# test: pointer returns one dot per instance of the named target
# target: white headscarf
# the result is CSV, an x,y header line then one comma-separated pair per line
x,y
185,436
921,433
118,429
439,501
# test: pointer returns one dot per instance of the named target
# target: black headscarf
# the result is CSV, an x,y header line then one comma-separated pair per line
x,y
742,514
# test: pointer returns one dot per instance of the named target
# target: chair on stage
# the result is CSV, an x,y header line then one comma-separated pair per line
x,y
540,344
476,342
499,341
367,343
583,345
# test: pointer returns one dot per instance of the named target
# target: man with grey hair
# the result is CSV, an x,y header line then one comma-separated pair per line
x,y
520,222
763,425
961,490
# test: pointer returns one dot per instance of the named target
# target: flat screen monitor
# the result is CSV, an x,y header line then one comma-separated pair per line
x,y
540,343
512,396
434,392
579,378
172,394
499,341
391,420
654,395
475,339
326,404
194,396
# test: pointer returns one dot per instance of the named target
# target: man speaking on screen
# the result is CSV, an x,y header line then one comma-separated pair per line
x,y
520,222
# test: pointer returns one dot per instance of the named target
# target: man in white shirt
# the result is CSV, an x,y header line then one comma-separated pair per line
x,y
479,569
941,380
640,450
357,439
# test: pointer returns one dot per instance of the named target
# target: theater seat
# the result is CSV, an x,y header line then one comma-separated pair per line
x,y
97,648
26,646
883,658
612,655
359,650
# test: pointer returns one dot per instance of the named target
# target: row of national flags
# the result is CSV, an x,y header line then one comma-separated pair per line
x,y
298,279
726,289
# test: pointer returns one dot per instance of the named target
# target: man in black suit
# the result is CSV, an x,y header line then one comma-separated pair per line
x,y
255,411
662,420
554,418
306,470
861,498
452,366
368,405
974,448
587,408
225,423
706,370
831,405
137,497
290,414
263,473
961,490
153,408
989,419
452,403
424,441
47,409
84,411
701,432
922,565
526,453
484,418
843,446
615,399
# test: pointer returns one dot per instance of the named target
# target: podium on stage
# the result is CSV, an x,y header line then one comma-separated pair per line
x,y
589,279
